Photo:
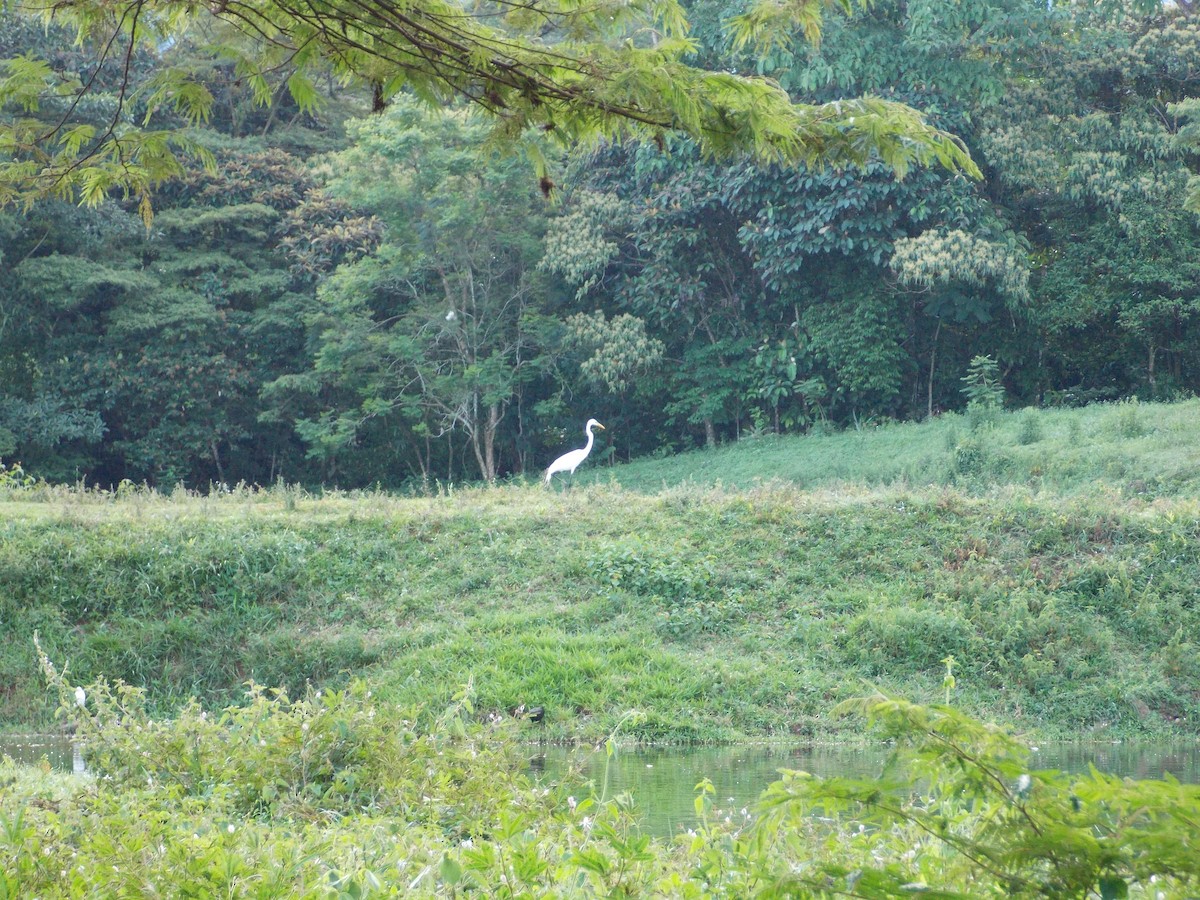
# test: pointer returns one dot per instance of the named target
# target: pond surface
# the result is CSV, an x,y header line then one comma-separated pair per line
x,y
664,779
31,749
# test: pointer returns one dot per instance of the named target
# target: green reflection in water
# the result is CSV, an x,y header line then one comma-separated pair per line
x,y
663,780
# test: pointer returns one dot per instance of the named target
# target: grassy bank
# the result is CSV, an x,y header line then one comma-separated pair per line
x,y
746,610
1136,449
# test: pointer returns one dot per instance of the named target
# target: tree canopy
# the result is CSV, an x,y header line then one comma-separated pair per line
x,y
575,72
328,293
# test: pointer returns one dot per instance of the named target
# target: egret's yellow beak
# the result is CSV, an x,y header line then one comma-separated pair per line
x,y
601,427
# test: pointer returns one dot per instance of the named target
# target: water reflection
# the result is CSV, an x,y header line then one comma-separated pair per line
x,y
1128,760
63,754
663,780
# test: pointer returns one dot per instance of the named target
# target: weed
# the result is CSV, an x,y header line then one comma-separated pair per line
x,y
1128,420
342,794
1031,431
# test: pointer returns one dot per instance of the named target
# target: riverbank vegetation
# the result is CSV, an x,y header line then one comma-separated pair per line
x,y
717,613
342,794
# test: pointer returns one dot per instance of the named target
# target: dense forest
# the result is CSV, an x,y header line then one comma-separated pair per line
x,y
337,293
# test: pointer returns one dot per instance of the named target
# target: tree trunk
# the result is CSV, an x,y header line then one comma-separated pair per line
x,y
483,442
932,363
710,433
489,436
1150,373
216,455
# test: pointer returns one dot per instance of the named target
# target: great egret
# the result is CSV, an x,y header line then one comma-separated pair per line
x,y
569,462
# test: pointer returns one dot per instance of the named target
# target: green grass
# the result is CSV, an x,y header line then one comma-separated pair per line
x,y
739,593
1139,449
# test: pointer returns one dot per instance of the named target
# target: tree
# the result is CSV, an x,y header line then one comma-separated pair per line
x,y
439,332
571,72
771,285
1092,157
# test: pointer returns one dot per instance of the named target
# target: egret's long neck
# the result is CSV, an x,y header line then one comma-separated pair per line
x,y
591,437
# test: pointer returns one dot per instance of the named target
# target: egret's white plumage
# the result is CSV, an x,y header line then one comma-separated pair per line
x,y
569,462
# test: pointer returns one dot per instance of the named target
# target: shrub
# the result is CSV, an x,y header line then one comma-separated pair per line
x,y
1030,431
1128,420
363,802
981,384
909,639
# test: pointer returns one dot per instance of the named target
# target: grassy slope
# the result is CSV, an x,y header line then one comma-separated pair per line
x,y
1143,449
1062,574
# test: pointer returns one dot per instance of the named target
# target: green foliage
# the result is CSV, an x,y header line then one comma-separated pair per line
x,y
935,258
981,384
440,332
286,313
618,349
1031,430
987,822
323,754
574,73
1115,282
910,638
15,478
581,244
1128,419
343,794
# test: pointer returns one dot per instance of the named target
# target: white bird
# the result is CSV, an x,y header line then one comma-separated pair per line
x,y
569,462
80,697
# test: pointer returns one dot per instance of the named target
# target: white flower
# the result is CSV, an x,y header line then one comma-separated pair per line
x,y
80,697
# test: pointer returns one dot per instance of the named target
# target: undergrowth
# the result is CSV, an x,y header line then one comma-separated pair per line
x,y
343,795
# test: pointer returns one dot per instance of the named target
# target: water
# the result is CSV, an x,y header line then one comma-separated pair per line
x,y
60,752
663,779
